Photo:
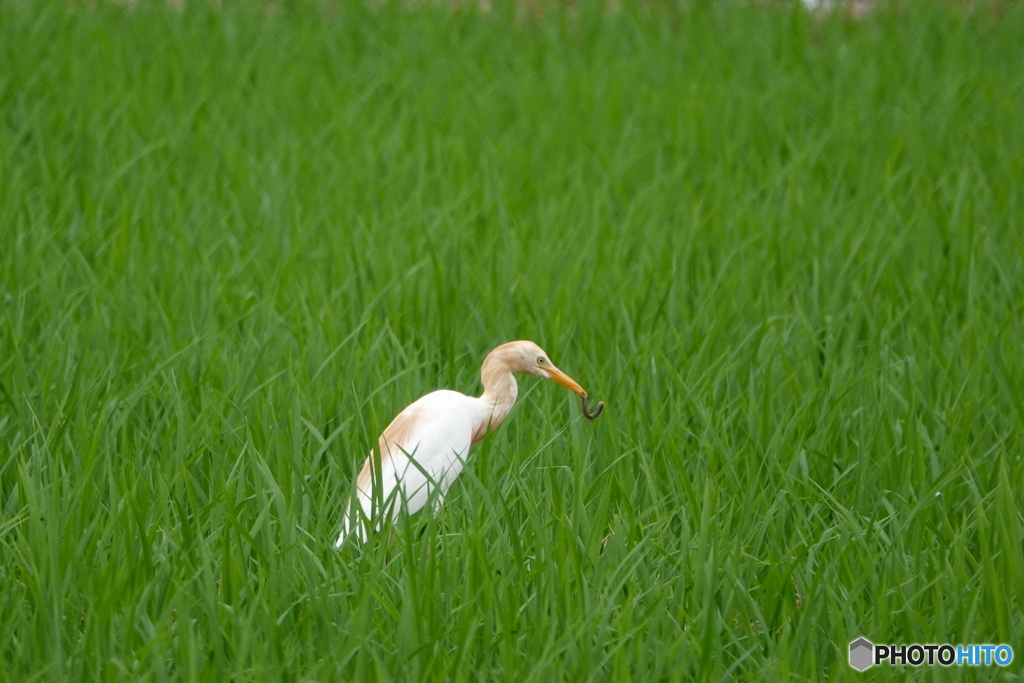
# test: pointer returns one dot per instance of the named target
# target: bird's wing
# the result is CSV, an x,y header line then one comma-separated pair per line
x,y
424,447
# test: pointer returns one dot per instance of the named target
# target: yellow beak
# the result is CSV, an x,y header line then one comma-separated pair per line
x,y
565,380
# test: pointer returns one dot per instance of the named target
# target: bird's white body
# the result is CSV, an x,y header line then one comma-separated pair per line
x,y
439,441
436,432
425,447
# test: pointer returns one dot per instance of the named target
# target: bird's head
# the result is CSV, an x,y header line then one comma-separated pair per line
x,y
528,358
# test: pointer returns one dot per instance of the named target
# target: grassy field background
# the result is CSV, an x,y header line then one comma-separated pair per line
x,y
787,252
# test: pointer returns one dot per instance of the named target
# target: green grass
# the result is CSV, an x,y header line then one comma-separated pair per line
x,y
786,252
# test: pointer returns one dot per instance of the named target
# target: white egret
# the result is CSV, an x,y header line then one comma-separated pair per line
x,y
426,445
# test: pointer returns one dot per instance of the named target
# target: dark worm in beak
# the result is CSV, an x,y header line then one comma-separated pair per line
x,y
597,411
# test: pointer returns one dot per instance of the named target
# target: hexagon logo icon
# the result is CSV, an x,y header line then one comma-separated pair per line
x,y
861,654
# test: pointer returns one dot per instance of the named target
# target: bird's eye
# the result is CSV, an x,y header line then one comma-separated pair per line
x,y
540,361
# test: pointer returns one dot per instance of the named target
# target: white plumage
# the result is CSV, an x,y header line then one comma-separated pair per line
x,y
426,445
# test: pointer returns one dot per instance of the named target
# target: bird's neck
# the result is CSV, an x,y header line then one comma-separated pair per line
x,y
500,391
